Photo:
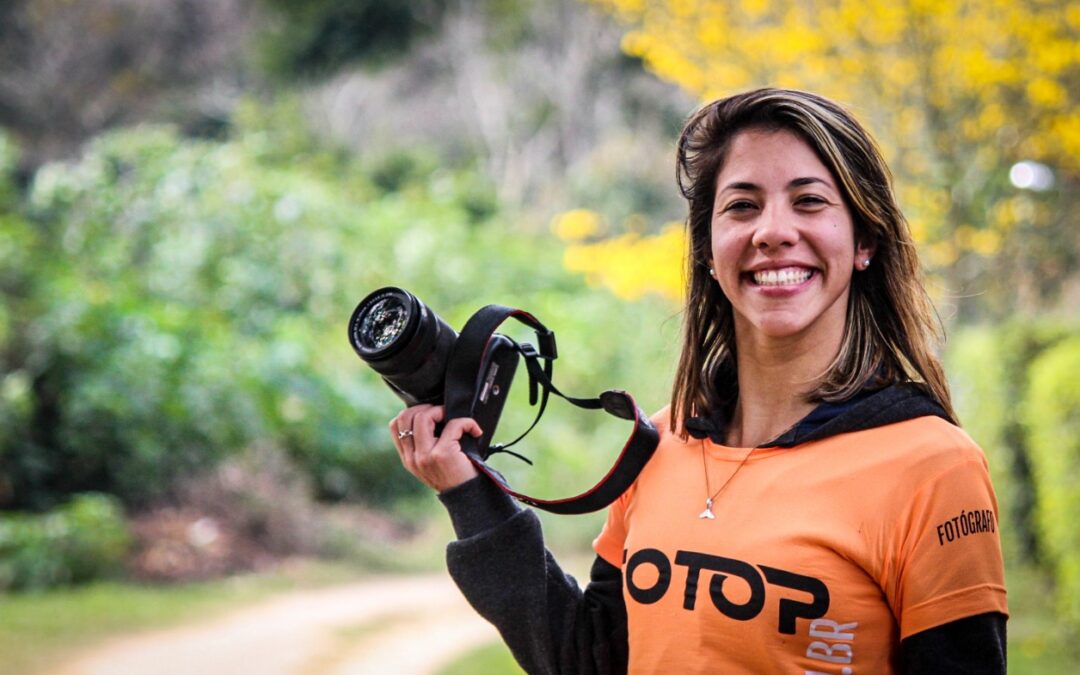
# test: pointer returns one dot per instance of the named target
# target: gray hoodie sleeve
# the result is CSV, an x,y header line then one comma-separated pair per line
x,y
501,566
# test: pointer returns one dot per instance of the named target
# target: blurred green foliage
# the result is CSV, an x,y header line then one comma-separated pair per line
x,y
1015,389
81,540
173,302
170,302
1052,421
976,369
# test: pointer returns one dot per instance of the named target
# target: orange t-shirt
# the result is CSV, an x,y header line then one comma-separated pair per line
x,y
821,558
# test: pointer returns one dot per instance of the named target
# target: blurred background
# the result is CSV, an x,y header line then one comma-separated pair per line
x,y
194,194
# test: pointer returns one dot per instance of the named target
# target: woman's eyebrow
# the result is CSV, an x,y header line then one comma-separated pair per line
x,y
808,180
793,183
742,185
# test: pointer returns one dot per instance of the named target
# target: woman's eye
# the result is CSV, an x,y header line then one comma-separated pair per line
x,y
810,200
739,206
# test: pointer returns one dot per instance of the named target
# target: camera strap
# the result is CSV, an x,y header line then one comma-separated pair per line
x,y
463,381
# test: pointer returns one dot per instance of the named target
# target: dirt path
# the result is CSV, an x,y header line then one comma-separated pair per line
x,y
388,625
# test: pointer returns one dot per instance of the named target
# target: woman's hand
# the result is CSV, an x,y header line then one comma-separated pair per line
x,y
438,462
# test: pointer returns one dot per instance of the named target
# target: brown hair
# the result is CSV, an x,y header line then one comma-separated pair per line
x,y
890,322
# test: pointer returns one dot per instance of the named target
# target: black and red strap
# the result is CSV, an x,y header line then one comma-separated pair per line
x,y
463,380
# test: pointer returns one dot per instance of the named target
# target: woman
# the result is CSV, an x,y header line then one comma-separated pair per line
x,y
812,506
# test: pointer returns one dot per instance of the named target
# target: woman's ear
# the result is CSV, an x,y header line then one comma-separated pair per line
x,y
864,254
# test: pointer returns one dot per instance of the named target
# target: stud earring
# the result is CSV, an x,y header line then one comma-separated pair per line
x,y
866,263
712,273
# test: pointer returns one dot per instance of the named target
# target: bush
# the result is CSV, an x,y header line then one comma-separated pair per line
x,y
174,302
976,366
246,513
1052,420
82,540
989,369
166,303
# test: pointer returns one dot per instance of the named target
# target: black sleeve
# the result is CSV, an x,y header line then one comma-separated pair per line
x,y
972,645
501,566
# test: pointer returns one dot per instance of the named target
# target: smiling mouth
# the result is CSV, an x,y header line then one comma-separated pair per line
x,y
788,276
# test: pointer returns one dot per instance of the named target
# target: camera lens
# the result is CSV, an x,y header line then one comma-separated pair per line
x,y
382,324
404,341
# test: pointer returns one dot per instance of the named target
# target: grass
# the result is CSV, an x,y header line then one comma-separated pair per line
x,y
39,630
491,659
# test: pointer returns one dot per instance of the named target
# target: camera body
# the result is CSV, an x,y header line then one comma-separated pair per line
x,y
411,347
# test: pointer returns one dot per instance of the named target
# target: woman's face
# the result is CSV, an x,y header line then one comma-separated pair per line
x,y
783,242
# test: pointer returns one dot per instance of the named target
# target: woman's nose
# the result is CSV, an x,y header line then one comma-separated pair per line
x,y
774,228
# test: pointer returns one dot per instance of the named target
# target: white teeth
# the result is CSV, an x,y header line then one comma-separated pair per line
x,y
789,276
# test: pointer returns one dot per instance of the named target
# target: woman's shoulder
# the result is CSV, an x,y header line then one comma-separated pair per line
x,y
661,419
931,431
927,444
669,435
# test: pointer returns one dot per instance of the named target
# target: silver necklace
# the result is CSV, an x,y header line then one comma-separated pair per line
x,y
707,514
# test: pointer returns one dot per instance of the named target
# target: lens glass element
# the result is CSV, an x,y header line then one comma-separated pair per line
x,y
382,324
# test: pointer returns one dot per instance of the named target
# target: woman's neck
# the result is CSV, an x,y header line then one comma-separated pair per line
x,y
774,378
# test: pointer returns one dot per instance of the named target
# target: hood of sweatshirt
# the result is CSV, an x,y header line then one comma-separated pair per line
x,y
868,409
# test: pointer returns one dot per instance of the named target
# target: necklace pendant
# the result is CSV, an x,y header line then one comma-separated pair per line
x,y
707,513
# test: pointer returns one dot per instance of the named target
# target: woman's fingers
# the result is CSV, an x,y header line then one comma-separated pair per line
x,y
436,460
423,426
443,465
403,434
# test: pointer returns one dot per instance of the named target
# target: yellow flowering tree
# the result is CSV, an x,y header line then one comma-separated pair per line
x,y
629,264
958,93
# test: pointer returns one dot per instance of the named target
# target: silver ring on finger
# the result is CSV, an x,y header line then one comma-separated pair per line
x,y
404,433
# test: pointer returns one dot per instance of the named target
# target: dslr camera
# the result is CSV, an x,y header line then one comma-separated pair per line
x,y
411,347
